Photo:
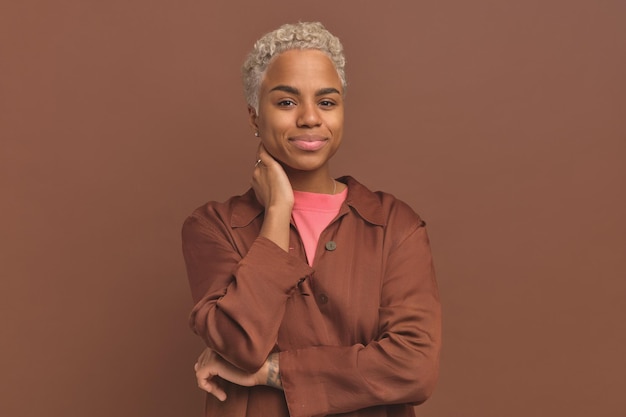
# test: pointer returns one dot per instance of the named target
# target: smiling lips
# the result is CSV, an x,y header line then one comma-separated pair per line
x,y
308,142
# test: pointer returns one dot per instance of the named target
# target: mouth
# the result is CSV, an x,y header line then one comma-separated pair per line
x,y
309,143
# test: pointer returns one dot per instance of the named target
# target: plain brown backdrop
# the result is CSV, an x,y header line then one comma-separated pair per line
x,y
501,122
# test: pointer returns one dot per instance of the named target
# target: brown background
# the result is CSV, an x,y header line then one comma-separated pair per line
x,y
501,122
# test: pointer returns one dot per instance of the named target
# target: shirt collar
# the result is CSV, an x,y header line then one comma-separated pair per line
x,y
245,209
364,202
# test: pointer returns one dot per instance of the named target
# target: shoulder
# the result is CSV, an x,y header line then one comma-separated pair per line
x,y
400,211
236,211
380,207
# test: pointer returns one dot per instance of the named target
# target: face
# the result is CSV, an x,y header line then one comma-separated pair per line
x,y
300,119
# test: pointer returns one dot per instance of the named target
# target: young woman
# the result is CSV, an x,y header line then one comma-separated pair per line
x,y
315,296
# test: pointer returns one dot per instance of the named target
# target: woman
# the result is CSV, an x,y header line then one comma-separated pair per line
x,y
314,296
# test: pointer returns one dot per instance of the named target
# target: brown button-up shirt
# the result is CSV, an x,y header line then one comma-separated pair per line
x,y
358,333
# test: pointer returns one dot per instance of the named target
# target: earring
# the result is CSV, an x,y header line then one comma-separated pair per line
x,y
256,134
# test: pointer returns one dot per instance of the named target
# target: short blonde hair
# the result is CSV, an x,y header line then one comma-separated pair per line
x,y
303,35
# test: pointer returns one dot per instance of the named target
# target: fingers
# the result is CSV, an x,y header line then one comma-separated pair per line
x,y
270,182
265,157
205,375
261,155
211,386
206,368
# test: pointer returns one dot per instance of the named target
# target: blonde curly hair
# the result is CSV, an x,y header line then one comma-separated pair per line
x,y
302,35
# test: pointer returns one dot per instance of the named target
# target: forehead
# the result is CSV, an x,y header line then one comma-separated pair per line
x,y
301,69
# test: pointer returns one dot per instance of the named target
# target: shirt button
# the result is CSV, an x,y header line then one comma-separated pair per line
x,y
323,298
331,245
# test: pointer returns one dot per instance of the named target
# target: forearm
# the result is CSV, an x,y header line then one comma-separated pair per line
x,y
239,302
333,380
241,321
210,366
400,366
271,372
276,225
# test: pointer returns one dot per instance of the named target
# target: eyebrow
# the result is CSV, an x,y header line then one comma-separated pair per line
x,y
293,90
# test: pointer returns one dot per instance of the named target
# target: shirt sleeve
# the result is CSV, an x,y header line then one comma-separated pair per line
x,y
239,301
399,367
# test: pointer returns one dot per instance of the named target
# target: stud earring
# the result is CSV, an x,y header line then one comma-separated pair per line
x,y
256,134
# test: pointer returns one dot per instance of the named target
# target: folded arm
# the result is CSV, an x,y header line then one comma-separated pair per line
x,y
240,301
399,367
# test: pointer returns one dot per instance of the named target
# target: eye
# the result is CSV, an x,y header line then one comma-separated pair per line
x,y
326,103
286,103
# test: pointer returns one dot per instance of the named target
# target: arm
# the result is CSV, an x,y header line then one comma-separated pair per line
x,y
211,365
273,190
240,301
399,367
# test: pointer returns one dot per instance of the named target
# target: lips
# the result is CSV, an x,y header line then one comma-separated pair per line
x,y
309,143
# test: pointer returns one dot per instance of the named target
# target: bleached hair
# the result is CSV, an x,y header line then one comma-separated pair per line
x,y
303,35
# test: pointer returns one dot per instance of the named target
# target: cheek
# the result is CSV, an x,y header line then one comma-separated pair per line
x,y
336,124
272,124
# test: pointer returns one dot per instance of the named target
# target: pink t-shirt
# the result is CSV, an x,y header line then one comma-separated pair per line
x,y
312,212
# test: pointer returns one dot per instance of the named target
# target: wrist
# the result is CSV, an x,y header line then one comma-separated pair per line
x,y
282,209
273,372
276,226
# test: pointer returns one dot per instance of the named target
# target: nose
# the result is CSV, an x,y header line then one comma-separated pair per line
x,y
308,115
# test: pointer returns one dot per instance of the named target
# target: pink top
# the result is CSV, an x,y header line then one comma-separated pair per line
x,y
312,212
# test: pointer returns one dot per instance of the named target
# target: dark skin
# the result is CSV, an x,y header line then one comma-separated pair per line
x,y
300,126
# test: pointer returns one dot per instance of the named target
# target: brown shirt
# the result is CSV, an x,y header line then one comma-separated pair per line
x,y
358,333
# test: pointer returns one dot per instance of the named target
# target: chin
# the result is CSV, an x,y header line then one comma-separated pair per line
x,y
302,166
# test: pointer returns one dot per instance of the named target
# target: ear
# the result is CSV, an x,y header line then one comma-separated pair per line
x,y
252,119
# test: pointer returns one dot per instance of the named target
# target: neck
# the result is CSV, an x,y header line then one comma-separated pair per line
x,y
312,181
